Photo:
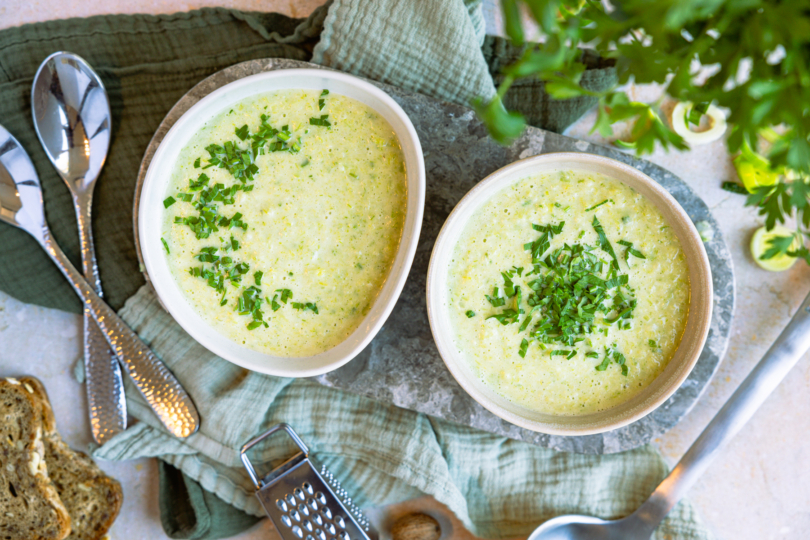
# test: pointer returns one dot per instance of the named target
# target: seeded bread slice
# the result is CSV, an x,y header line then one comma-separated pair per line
x,y
30,507
92,498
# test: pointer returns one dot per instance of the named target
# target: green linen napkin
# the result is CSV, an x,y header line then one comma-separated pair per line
x,y
499,488
148,62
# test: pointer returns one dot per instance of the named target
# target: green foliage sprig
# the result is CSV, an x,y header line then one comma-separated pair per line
x,y
751,57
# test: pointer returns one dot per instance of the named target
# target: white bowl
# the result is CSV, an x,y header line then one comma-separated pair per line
x,y
150,217
700,301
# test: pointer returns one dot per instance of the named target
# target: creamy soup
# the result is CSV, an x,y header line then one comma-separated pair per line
x,y
283,217
568,293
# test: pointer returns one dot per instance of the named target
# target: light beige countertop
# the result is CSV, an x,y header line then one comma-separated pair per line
x,y
759,488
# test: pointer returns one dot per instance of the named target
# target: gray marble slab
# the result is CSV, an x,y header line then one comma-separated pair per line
x,y
402,365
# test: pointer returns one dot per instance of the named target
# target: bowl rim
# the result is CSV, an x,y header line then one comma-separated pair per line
x,y
495,183
210,105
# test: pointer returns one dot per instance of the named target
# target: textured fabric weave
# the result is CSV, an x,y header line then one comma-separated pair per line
x,y
424,49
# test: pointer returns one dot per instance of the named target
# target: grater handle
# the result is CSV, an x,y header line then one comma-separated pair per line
x,y
278,427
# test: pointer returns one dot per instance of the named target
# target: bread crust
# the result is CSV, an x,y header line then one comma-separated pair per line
x,y
31,506
92,498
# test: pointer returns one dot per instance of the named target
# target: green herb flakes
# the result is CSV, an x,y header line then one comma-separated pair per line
x,y
594,207
322,121
568,292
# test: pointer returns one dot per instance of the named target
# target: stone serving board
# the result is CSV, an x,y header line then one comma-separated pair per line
x,y
402,365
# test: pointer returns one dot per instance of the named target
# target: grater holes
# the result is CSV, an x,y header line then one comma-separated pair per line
x,y
343,536
326,513
281,505
307,525
295,515
318,519
310,537
290,500
320,534
297,531
312,503
330,528
286,520
320,497
340,522
303,509
298,492
307,488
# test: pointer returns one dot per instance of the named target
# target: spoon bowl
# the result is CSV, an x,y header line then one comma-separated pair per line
x,y
72,117
575,527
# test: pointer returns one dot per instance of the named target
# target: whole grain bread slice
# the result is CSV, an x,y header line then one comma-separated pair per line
x,y
30,507
92,498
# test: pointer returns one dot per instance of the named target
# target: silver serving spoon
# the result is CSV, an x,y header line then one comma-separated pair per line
x,y
73,121
791,344
21,205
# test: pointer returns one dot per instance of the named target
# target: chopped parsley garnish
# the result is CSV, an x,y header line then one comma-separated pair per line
x,y
604,243
524,346
568,293
470,314
242,132
286,294
321,101
238,157
165,245
599,204
604,365
495,299
630,251
250,303
507,316
322,121
305,305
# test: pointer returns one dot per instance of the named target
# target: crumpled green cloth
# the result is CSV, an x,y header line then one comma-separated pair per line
x,y
499,488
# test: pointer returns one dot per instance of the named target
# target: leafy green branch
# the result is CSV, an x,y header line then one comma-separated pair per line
x,y
751,57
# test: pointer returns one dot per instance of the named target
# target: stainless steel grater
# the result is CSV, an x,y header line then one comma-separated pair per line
x,y
304,500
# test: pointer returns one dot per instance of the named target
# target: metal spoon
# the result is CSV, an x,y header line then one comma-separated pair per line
x,y
21,205
791,344
73,121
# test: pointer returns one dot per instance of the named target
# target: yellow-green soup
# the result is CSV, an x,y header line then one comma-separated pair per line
x,y
286,239
549,338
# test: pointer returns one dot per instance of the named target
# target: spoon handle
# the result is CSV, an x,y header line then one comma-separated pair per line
x,y
103,381
159,387
791,344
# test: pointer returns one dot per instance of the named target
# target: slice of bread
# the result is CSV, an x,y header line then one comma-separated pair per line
x,y
30,507
92,498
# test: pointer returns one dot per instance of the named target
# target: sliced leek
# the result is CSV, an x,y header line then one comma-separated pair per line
x,y
760,244
716,129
